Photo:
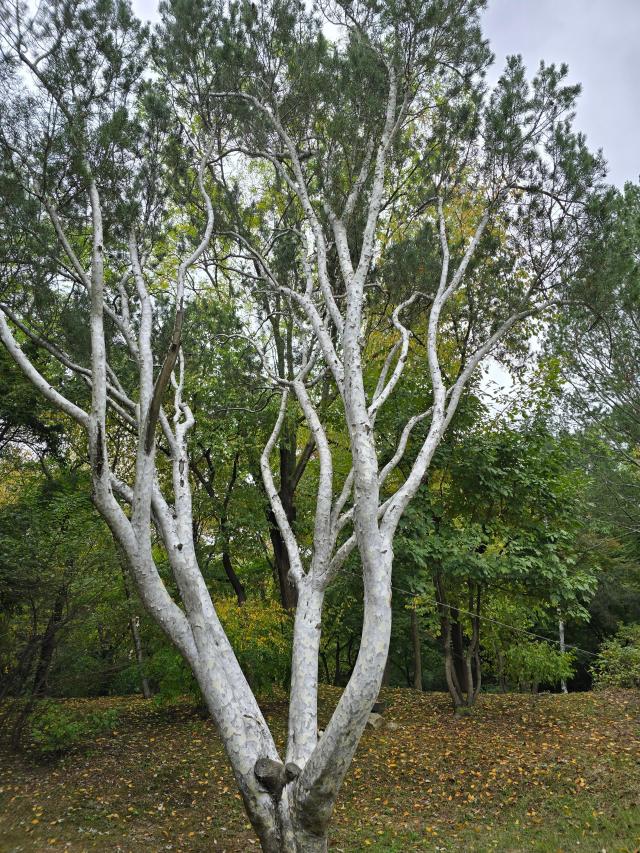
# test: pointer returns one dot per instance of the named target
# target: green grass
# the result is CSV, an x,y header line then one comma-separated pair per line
x,y
561,773
562,824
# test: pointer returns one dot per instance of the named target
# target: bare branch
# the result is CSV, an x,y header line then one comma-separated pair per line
x,y
47,390
295,561
383,393
164,376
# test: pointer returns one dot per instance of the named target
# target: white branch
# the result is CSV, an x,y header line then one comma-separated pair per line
x,y
301,190
322,524
288,535
383,392
47,390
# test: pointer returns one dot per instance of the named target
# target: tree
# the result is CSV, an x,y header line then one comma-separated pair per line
x,y
360,142
532,663
598,337
58,575
597,346
501,520
618,661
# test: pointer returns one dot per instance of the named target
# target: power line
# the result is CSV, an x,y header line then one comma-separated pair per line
x,y
489,619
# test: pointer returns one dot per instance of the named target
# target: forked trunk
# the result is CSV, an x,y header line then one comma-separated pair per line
x,y
449,668
287,833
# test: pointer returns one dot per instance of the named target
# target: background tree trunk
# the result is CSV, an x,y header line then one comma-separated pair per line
x,y
417,653
288,595
46,651
563,683
135,632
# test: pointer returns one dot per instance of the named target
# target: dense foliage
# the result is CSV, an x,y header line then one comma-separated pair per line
x,y
618,662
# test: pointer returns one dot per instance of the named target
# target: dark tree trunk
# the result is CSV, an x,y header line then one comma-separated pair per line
x,y
227,565
417,652
45,658
48,644
502,681
462,659
135,633
288,596
451,676
137,645
325,666
107,654
337,675
457,636
232,577
449,667
15,681
475,642
473,673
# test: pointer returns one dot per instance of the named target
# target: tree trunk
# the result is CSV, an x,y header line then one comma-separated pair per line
x,y
288,595
502,681
48,644
417,653
449,667
457,639
337,674
478,672
325,665
137,645
288,832
468,675
107,654
232,577
453,682
303,701
14,681
474,672
46,651
563,683
135,632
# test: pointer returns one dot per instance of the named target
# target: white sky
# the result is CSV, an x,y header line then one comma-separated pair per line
x,y
600,42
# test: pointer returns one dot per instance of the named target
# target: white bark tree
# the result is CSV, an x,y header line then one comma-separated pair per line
x,y
510,167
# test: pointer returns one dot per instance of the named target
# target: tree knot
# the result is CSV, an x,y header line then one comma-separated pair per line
x,y
273,775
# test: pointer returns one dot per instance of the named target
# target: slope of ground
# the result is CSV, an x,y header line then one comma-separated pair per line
x,y
558,773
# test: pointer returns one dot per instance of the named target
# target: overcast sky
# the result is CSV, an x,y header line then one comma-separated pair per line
x,y
600,42
598,39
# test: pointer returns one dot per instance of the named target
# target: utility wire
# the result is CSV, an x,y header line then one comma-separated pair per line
x,y
488,619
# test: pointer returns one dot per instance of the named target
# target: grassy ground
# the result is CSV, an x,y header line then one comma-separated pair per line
x,y
561,773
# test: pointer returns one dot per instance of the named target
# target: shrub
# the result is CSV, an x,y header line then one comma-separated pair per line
x,y
55,728
260,633
618,661
533,663
171,677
